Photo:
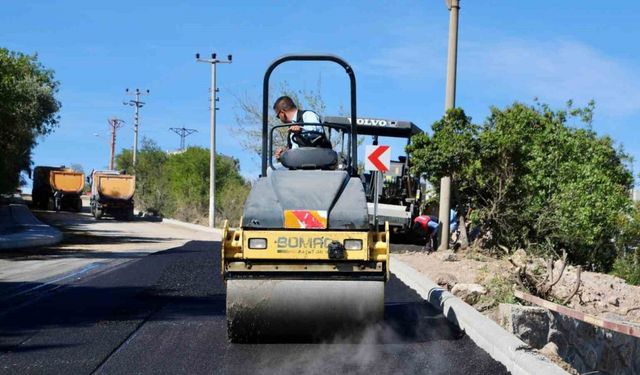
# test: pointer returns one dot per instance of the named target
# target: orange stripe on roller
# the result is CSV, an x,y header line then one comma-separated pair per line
x,y
305,219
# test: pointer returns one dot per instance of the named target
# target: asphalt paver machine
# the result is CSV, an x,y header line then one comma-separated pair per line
x,y
305,262
400,192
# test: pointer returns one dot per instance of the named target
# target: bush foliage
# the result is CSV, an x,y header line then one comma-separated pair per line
x,y
177,185
533,179
28,110
627,265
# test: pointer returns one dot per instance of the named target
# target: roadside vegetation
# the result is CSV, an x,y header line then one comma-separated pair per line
x,y
177,185
627,265
534,178
28,110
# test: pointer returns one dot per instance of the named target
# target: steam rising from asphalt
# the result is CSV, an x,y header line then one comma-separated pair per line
x,y
376,349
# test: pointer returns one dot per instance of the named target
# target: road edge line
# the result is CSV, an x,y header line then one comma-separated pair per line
x,y
515,355
191,226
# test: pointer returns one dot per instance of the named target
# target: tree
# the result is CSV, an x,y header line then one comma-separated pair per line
x,y
124,160
77,167
28,109
249,115
177,185
151,182
452,151
532,180
188,176
627,265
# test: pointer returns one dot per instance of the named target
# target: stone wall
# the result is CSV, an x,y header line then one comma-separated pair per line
x,y
587,348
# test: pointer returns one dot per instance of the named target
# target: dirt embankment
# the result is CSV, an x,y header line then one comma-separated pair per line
x,y
601,295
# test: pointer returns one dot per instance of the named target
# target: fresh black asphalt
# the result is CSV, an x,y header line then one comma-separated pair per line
x,y
164,314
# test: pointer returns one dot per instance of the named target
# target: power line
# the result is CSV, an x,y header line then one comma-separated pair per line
x,y
138,104
214,61
183,133
114,123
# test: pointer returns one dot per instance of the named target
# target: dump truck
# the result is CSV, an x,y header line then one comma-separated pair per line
x,y
58,188
400,192
305,262
112,194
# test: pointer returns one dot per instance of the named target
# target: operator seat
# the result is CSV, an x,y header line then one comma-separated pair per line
x,y
309,158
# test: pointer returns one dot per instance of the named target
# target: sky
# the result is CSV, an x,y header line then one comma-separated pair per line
x,y
508,51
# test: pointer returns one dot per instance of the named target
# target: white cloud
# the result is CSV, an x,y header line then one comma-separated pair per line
x,y
556,70
553,70
411,52
409,61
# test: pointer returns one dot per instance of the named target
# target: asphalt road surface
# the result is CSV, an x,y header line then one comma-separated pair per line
x,y
164,313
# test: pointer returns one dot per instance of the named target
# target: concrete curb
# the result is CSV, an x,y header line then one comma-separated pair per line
x,y
502,346
192,226
30,231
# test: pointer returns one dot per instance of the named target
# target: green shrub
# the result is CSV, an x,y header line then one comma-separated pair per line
x,y
177,185
533,179
627,267
501,290
28,111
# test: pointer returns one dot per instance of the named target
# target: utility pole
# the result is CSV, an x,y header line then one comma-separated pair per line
x,y
183,133
136,119
212,160
114,123
450,102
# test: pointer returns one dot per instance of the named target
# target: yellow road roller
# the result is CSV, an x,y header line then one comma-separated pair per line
x,y
305,262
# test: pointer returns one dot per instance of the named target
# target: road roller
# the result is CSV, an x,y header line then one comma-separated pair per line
x,y
305,262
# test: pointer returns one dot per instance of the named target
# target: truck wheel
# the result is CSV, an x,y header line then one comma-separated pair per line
x,y
78,206
97,213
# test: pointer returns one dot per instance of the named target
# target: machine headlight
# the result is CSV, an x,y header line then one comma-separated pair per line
x,y
257,243
353,244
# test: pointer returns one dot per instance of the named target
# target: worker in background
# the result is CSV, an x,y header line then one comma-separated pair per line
x,y
427,228
288,113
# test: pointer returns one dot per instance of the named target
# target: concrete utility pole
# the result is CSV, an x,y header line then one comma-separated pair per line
x,y
114,123
450,102
183,133
138,104
212,161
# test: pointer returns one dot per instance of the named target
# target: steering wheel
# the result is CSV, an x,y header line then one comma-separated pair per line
x,y
310,138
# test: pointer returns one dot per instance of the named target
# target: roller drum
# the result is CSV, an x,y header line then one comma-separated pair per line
x,y
259,309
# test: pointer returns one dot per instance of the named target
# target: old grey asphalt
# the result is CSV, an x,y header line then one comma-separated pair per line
x,y
164,314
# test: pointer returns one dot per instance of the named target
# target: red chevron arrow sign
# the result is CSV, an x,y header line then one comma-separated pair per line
x,y
377,158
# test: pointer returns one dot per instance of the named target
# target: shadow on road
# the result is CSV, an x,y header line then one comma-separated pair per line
x,y
81,230
78,238
184,278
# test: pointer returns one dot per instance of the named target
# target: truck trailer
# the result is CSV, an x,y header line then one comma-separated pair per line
x,y
112,194
58,188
